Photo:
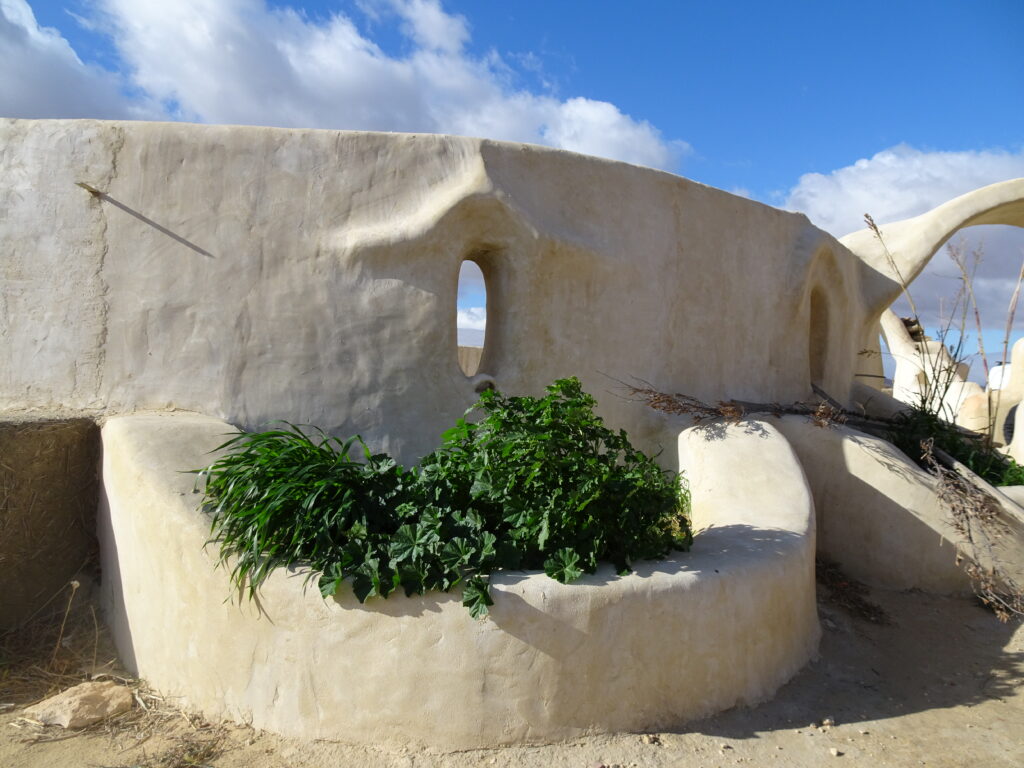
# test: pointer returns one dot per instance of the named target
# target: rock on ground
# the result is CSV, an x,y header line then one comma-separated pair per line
x,y
83,705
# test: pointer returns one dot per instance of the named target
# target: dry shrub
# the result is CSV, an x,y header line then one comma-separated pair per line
x,y
825,413
196,749
62,647
976,516
685,405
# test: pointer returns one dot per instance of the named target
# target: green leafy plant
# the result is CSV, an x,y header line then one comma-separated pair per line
x,y
908,430
535,483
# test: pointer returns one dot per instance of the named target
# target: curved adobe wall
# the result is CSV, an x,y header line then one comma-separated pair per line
x,y
256,274
723,625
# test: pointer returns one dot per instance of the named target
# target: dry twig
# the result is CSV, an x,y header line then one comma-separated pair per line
x,y
976,517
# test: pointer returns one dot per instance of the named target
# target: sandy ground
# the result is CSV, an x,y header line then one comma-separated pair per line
x,y
939,686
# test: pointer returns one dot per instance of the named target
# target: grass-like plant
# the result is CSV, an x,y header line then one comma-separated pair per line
x,y
535,483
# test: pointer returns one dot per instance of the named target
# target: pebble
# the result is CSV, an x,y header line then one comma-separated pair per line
x,y
651,738
724,746
835,752
828,722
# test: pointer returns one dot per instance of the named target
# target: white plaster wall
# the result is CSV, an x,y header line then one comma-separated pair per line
x,y
878,515
725,624
926,369
257,274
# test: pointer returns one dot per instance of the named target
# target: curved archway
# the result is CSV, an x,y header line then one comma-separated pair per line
x,y
910,244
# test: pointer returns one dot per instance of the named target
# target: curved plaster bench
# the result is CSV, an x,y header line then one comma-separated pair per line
x,y
880,516
725,624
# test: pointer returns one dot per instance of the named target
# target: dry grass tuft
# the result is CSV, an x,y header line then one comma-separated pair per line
x,y
196,749
61,648
846,592
976,516
55,650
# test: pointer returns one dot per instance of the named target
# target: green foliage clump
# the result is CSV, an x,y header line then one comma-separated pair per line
x,y
917,424
535,483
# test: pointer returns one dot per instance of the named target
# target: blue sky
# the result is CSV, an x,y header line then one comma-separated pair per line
x,y
831,108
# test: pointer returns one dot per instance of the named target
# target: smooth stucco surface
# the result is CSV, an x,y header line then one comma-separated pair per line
x,y
878,513
725,624
256,274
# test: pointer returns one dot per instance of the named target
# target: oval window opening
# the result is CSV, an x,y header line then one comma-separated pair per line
x,y
471,316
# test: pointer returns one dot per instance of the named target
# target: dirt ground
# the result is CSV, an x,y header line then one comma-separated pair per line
x,y
940,685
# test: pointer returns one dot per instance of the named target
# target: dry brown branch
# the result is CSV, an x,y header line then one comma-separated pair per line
x,y
685,405
975,516
823,414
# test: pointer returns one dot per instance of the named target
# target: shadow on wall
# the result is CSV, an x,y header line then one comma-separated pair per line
x,y
115,614
132,212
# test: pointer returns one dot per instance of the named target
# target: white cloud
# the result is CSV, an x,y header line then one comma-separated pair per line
x,y
43,77
472,317
897,183
431,27
902,182
241,61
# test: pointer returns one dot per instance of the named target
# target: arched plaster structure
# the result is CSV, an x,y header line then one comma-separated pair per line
x,y
1004,400
911,243
256,274
253,274
723,625
908,247
925,370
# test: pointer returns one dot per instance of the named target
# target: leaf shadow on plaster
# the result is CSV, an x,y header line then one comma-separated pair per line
x,y
146,220
900,464
720,429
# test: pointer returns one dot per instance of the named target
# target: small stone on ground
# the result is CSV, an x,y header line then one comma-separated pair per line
x,y
83,705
